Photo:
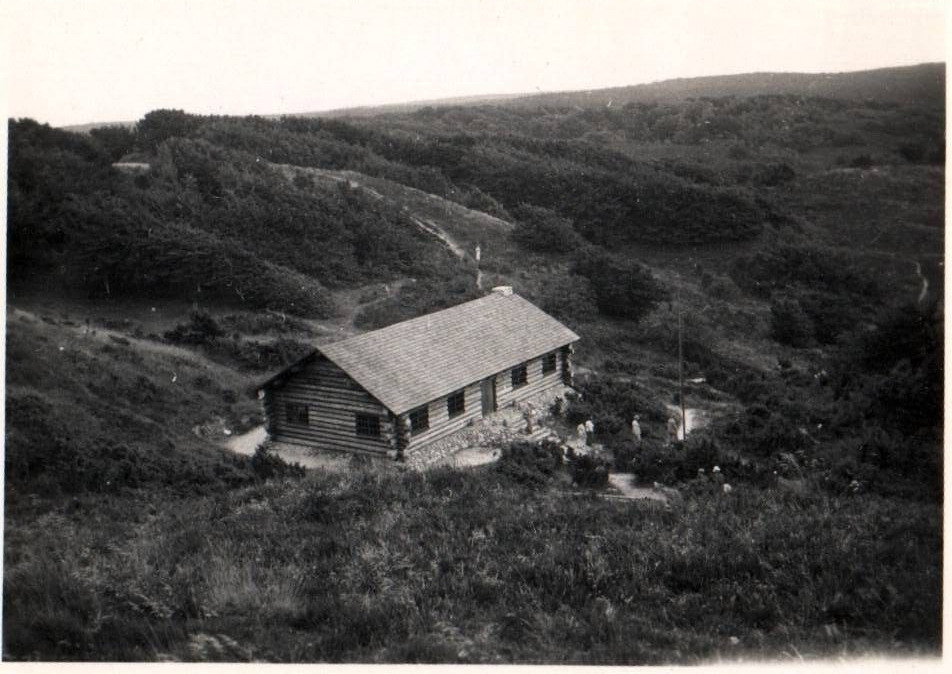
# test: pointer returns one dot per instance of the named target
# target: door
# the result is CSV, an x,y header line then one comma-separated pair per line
x,y
488,390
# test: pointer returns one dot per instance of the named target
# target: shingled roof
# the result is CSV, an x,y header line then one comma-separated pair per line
x,y
410,363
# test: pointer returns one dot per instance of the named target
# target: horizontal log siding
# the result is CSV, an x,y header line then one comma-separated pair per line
x,y
537,383
333,399
440,423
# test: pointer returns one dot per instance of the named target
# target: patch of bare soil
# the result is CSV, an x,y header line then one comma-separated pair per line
x,y
623,483
474,456
308,457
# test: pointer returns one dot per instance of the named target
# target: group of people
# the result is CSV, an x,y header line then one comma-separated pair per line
x,y
715,481
671,430
587,430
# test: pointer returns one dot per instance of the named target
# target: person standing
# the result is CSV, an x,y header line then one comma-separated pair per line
x,y
530,418
636,431
672,430
589,432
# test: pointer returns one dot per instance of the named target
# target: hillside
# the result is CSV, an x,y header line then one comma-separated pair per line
x,y
922,83
158,272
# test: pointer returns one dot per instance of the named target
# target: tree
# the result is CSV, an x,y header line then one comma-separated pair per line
x,y
116,141
623,288
542,230
160,125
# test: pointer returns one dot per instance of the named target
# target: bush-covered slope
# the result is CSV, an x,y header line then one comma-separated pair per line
x,y
377,566
92,410
789,245
204,221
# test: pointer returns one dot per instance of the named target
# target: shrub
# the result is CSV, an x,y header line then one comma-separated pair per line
x,y
418,298
542,230
650,462
789,324
530,464
569,298
255,355
201,329
267,465
623,288
699,451
590,471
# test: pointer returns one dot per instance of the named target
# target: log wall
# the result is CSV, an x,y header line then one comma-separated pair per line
x,y
537,383
440,423
333,399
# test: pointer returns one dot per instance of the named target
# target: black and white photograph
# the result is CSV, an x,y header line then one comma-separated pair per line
x,y
474,332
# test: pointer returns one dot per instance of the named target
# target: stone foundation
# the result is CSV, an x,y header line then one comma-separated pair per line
x,y
506,426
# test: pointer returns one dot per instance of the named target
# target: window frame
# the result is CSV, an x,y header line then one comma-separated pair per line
x,y
292,414
552,357
366,425
423,411
454,408
519,376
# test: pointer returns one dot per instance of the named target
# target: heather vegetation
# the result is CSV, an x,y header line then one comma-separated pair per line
x,y
795,238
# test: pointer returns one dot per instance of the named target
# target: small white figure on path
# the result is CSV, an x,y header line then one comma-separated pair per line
x,y
636,430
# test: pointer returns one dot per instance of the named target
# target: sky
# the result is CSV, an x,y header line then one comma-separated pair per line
x,y
78,61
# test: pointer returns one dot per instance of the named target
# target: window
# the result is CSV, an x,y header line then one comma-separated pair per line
x,y
368,425
548,363
297,414
420,419
456,403
519,376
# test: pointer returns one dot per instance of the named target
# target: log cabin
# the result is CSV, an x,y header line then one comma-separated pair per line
x,y
395,390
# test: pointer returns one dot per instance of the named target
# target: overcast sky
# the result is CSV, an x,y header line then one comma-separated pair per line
x,y
77,61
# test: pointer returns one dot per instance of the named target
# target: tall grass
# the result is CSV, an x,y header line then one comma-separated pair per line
x,y
473,566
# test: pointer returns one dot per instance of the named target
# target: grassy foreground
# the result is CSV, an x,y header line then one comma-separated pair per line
x,y
468,565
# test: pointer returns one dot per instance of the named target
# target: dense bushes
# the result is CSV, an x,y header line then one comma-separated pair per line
x,y
201,329
789,324
623,288
817,294
785,266
204,331
569,298
418,297
540,230
530,464
267,465
268,572
194,225
43,456
589,471
611,406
